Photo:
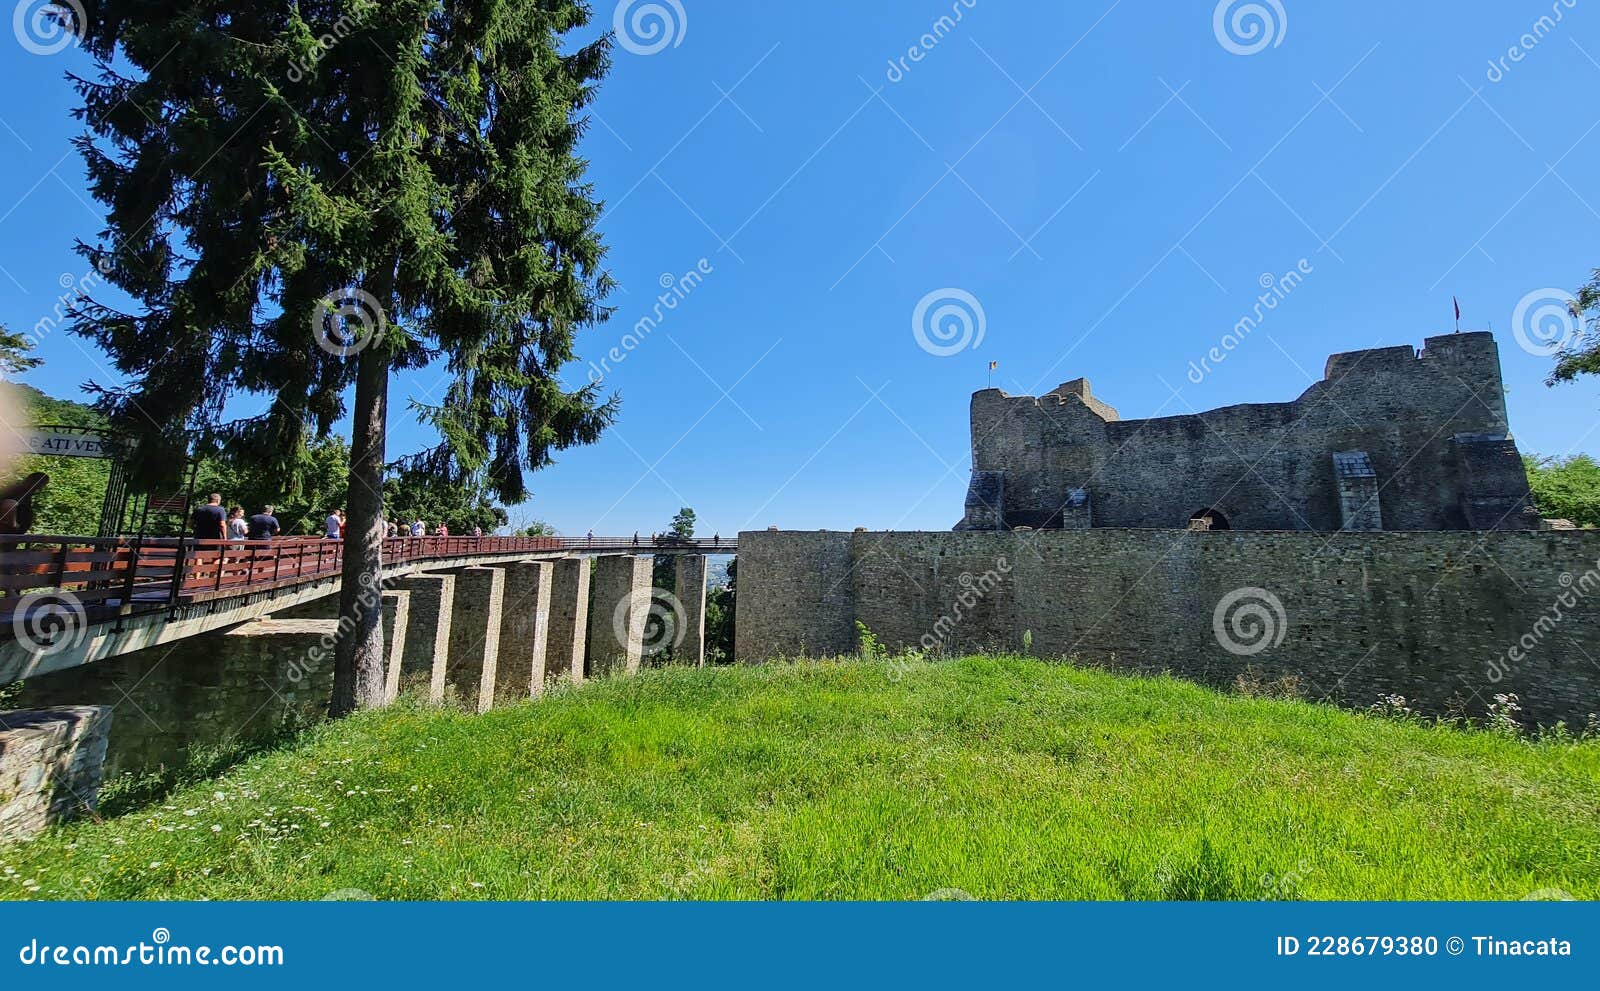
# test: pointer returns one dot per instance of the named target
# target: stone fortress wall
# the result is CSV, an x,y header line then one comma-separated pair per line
x,y
1445,619
1421,437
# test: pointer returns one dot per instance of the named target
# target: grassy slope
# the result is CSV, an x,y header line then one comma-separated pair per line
x,y
1007,778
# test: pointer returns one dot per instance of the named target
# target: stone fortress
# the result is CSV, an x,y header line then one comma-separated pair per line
x,y
1390,439
1375,536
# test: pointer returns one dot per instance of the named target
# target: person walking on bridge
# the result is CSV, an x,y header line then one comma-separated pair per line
x,y
238,529
263,525
332,526
210,521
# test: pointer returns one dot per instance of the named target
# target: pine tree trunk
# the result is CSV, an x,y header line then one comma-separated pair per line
x,y
358,674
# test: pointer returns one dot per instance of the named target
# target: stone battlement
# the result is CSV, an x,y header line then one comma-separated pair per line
x,y
1430,425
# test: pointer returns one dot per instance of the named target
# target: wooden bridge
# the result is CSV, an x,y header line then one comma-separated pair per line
x,y
66,601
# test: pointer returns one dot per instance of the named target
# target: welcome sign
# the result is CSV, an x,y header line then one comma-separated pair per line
x,y
66,443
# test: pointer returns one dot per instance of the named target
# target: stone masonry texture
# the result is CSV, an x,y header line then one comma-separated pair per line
x,y
428,626
617,613
243,685
1445,619
1431,424
524,631
396,614
472,661
689,585
51,766
569,619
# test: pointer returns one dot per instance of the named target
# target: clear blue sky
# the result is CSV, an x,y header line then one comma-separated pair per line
x,y
1108,180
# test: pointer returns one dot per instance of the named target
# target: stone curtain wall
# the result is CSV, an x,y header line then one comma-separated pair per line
x,y
51,763
1430,616
1266,466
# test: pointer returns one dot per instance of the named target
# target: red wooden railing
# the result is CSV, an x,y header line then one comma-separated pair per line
x,y
125,572
110,575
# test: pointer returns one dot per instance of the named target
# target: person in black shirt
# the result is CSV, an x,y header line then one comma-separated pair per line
x,y
210,520
263,525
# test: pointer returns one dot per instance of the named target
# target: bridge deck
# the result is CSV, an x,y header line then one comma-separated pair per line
x,y
55,586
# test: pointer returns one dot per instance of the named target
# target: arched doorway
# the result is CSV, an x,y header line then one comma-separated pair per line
x,y
1208,519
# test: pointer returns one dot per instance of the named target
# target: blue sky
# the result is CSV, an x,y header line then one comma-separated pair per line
x,y
1108,181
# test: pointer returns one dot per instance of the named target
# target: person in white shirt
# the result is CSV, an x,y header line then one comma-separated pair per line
x,y
331,525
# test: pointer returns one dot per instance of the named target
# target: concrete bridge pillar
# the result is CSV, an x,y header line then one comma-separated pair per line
x,y
524,631
617,614
472,662
689,584
569,619
428,625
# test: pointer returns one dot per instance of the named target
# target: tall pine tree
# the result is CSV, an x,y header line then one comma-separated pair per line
x,y
304,196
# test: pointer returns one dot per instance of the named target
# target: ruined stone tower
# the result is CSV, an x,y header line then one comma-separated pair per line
x,y
1390,439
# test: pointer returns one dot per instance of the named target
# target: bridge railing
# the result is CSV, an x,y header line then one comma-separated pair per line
x,y
120,574
101,572
651,545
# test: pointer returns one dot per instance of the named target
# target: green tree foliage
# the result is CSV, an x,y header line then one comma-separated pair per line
x,y
14,356
459,505
284,179
538,528
71,502
721,611
301,498
662,575
1582,357
1566,489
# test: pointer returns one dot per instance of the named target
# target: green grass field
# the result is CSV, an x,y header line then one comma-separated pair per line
x,y
1000,777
